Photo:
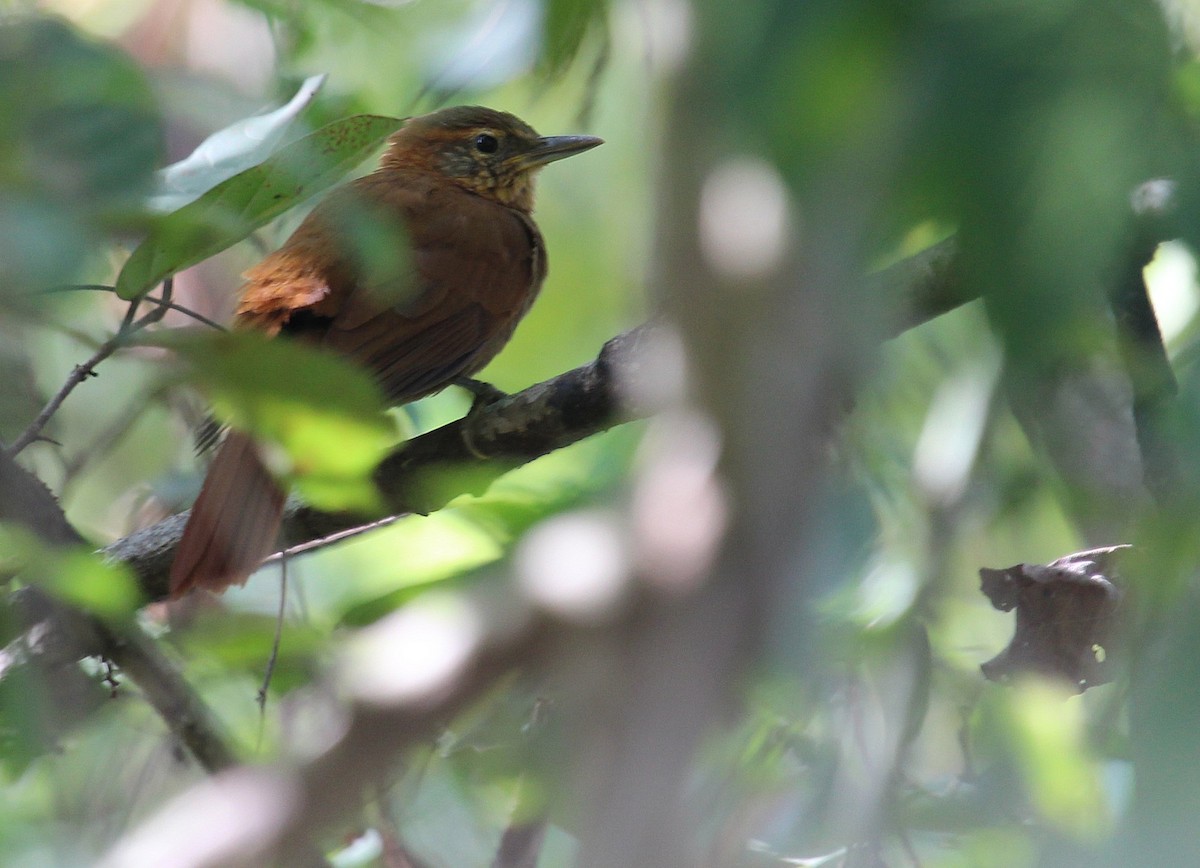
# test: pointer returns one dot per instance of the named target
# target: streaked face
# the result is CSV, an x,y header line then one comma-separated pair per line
x,y
490,152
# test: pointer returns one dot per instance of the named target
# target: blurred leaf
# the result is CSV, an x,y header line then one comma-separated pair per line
x,y
1046,726
22,733
567,24
1056,111
42,243
236,207
459,545
491,47
80,577
325,412
226,152
77,120
360,614
451,823
74,575
243,642
1187,87
79,138
1004,847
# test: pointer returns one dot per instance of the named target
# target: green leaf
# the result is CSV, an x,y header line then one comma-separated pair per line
x,y
1048,731
228,151
74,575
243,642
360,613
78,121
325,413
79,140
80,577
23,735
234,208
567,24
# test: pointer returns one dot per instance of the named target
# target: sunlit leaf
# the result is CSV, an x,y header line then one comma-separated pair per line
x,y
325,413
437,548
456,545
228,151
82,578
1047,729
236,207
368,611
75,575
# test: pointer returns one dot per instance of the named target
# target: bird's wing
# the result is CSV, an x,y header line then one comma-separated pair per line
x,y
411,358
476,267
468,269
352,250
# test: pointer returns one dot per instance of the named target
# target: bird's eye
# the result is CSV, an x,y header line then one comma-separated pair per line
x,y
486,143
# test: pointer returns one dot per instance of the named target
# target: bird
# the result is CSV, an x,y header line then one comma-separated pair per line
x,y
419,272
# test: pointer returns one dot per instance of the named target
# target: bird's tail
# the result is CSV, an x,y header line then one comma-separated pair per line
x,y
234,522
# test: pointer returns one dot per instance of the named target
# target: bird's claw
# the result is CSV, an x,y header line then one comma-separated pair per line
x,y
483,394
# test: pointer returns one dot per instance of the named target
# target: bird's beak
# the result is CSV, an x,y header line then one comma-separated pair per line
x,y
547,149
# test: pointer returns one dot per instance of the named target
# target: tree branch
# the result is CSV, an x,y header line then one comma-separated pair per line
x,y
428,471
423,475
88,368
65,634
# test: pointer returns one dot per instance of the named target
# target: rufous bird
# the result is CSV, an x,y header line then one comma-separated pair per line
x,y
419,271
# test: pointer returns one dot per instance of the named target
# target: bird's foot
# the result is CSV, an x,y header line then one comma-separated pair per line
x,y
485,395
482,393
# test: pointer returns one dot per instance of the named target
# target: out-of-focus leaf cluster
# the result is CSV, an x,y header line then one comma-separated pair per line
x,y
323,412
1024,127
79,138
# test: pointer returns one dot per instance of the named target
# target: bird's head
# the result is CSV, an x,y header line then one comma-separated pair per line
x,y
489,152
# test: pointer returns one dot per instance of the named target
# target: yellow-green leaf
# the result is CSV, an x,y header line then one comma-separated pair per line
x,y
236,207
324,415
76,575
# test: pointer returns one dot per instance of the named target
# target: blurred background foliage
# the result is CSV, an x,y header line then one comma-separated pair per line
x,y
1021,125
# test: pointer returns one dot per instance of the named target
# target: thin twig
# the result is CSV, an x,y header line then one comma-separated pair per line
x,y
188,312
154,299
168,692
323,542
130,313
78,374
274,658
81,372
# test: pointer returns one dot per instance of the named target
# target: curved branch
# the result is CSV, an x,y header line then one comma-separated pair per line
x,y
428,471
510,432
66,634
